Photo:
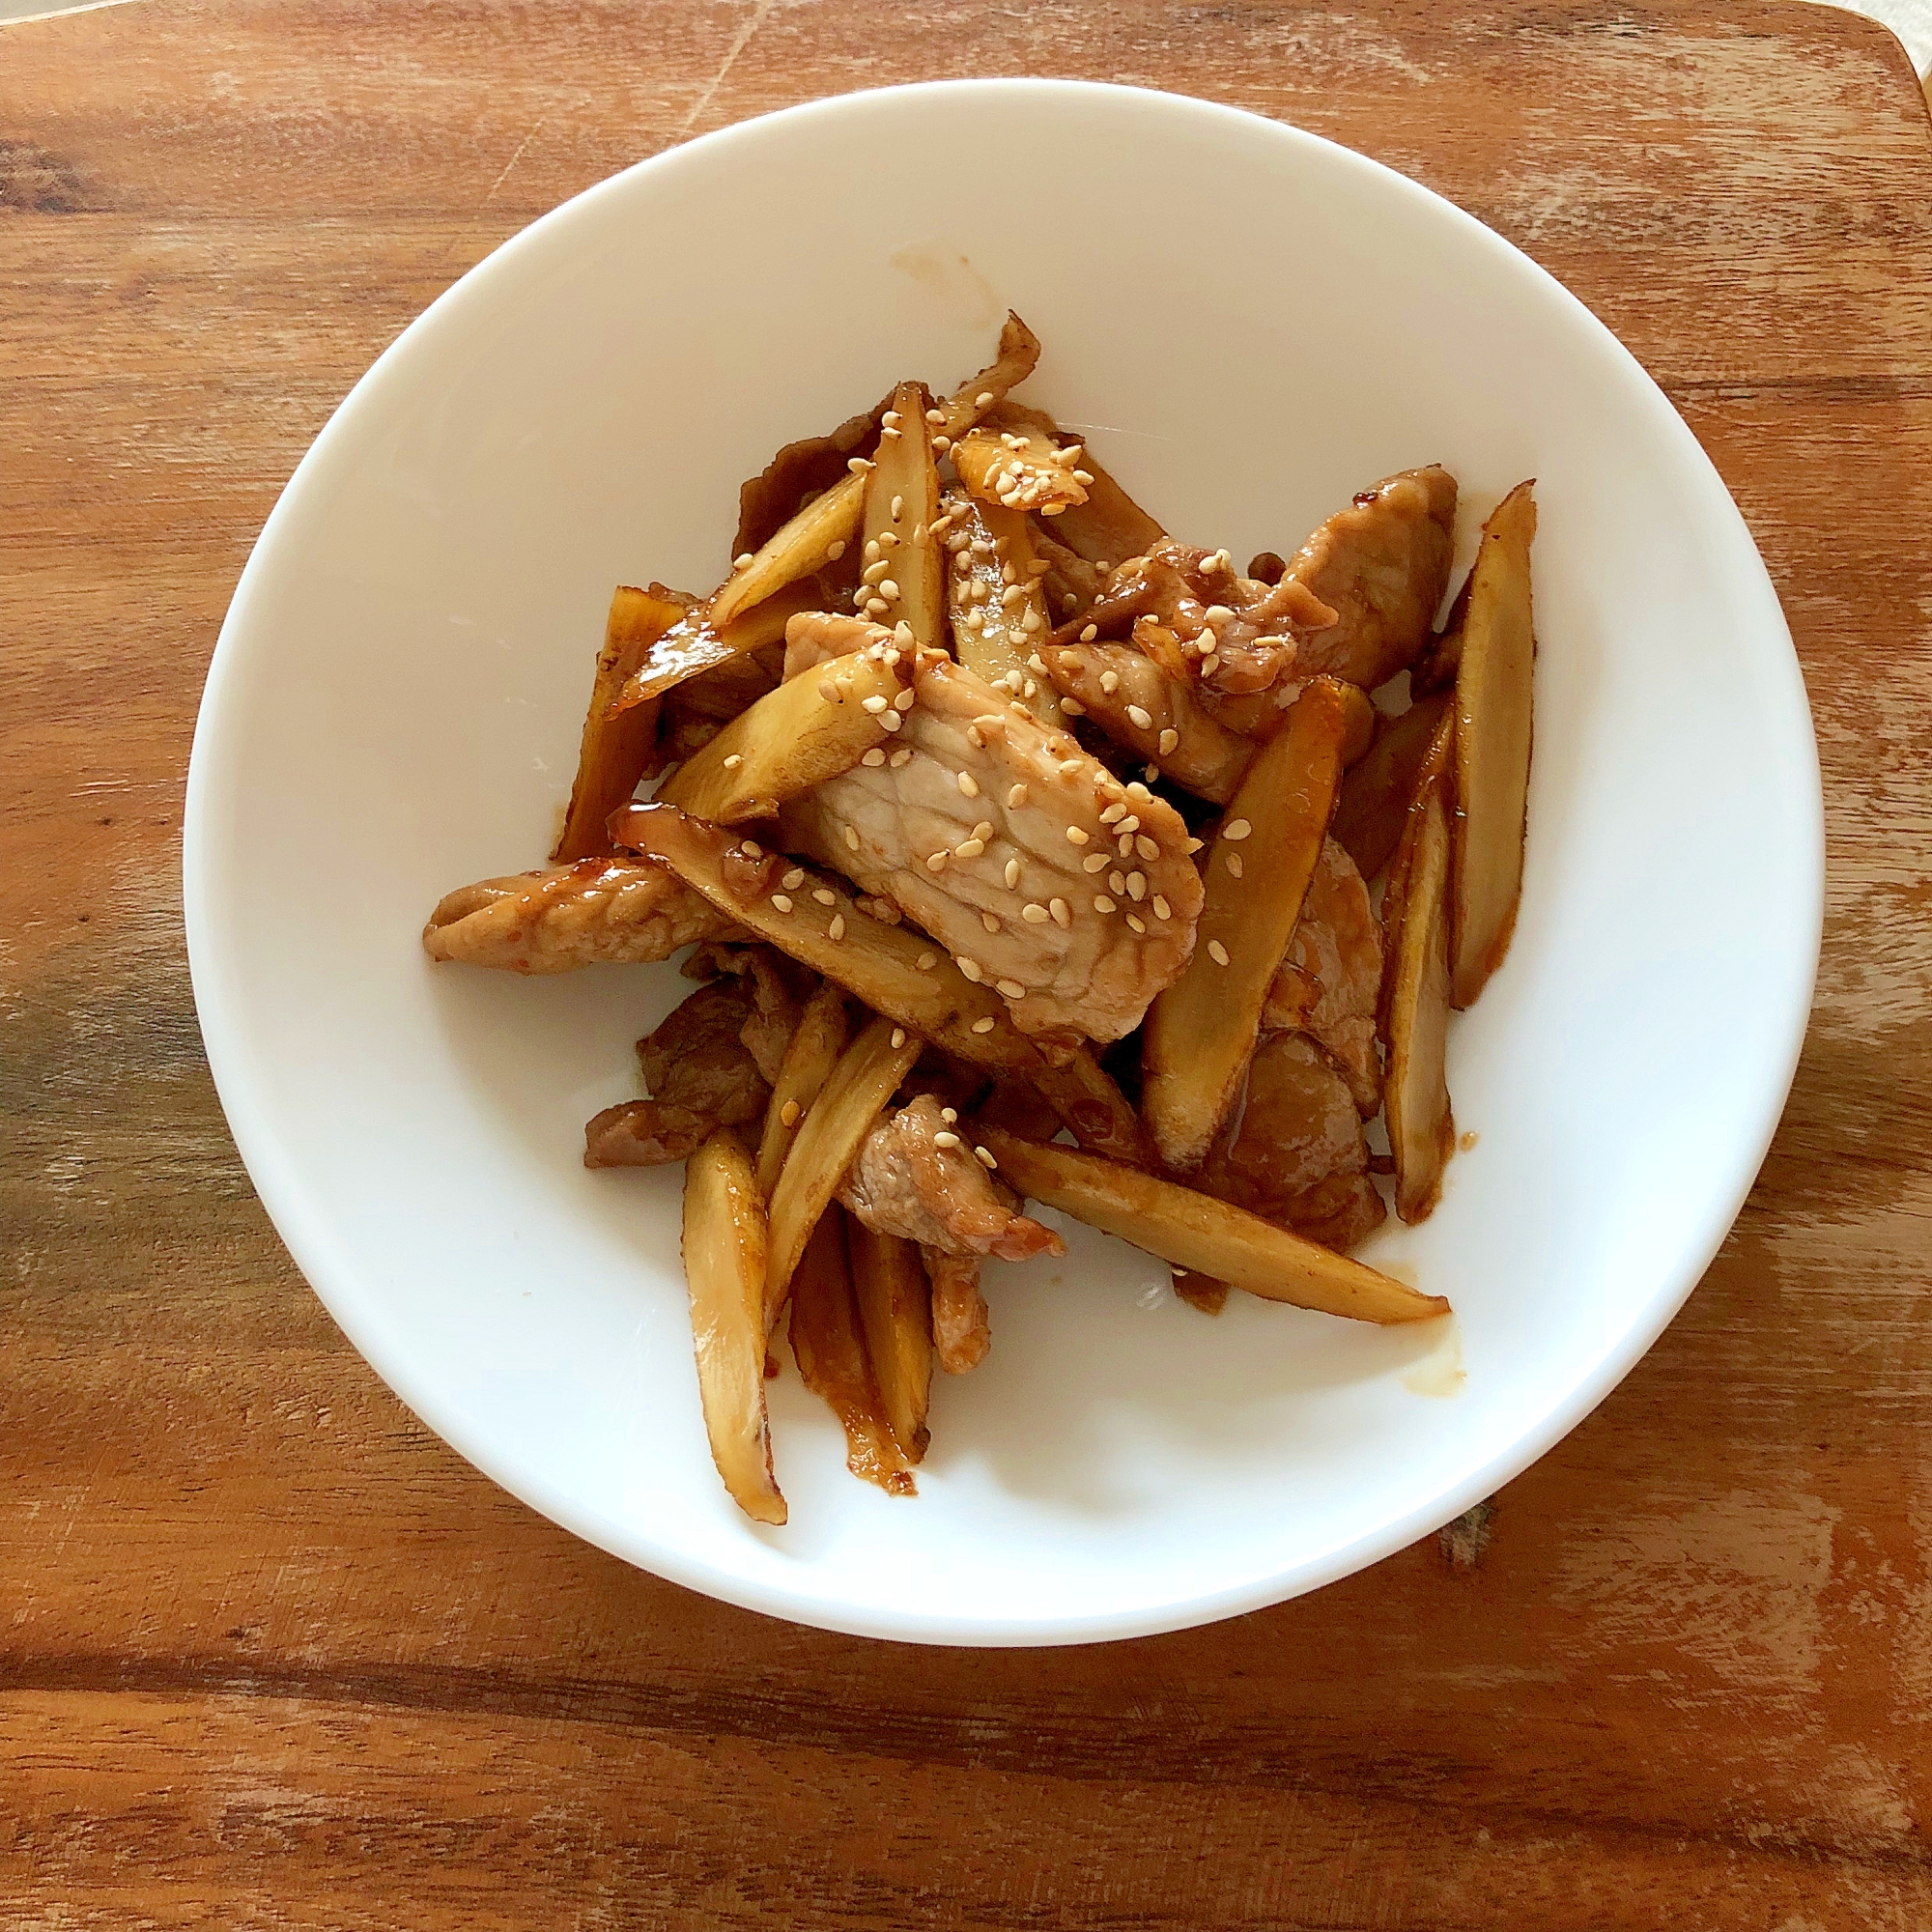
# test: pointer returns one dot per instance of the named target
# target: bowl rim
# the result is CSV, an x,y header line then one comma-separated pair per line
x,y
309,1239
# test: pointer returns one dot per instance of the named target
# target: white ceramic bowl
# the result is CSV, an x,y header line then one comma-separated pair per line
x,y
1251,324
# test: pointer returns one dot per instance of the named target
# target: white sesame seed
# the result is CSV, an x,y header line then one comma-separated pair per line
x,y
780,903
925,962
1076,836
1095,862
1237,828
891,721
857,464
902,636
823,896
971,968
898,509
1139,926
1233,865
1030,690
1034,914
1112,812
1017,798
1139,715
874,758
1137,885
905,701
935,415
1074,707
1103,903
836,551
1124,845
1169,739
935,862
732,763
1194,845
836,929
1209,663
788,1114
976,738
969,848
888,541
875,704
984,400
898,1037
1217,952
1132,823
986,1025
1146,847
890,435
1161,908
828,691
872,552
888,590
991,923
851,838
1110,682
947,1141
1087,637
941,444
1117,882
968,785
984,1157
1011,989
901,756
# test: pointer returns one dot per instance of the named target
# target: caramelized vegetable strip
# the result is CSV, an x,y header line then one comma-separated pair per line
x,y
1021,468
867,1073
810,730
1013,361
694,643
813,538
1201,1031
1421,1132
829,1350
893,969
813,1052
1437,772
725,1264
1377,793
614,750
1153,713
995,601
962,1326
1494,704
820,531
902,574
1089,1101
896,1317
1109,526
1205,1236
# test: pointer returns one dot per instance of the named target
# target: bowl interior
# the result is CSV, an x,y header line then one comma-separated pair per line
x,y
1247,323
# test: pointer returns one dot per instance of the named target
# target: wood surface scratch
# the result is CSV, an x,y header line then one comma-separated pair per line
x,y
272,1657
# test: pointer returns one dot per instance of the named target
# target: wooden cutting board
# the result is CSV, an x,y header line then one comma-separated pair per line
x,y
271,1657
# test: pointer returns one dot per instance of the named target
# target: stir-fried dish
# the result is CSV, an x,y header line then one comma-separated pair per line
x,y
1027,852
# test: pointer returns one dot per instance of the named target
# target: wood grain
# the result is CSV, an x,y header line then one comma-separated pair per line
x,y
271,1657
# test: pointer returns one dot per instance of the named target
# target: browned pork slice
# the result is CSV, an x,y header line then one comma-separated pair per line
x,y
779,988
915,1176
1331,973
1296,1155
963,1329
622,911
1072,894
1237,638
1382,565
701,1076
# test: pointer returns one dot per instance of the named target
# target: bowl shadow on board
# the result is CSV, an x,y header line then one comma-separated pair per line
x,y
1090,1353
